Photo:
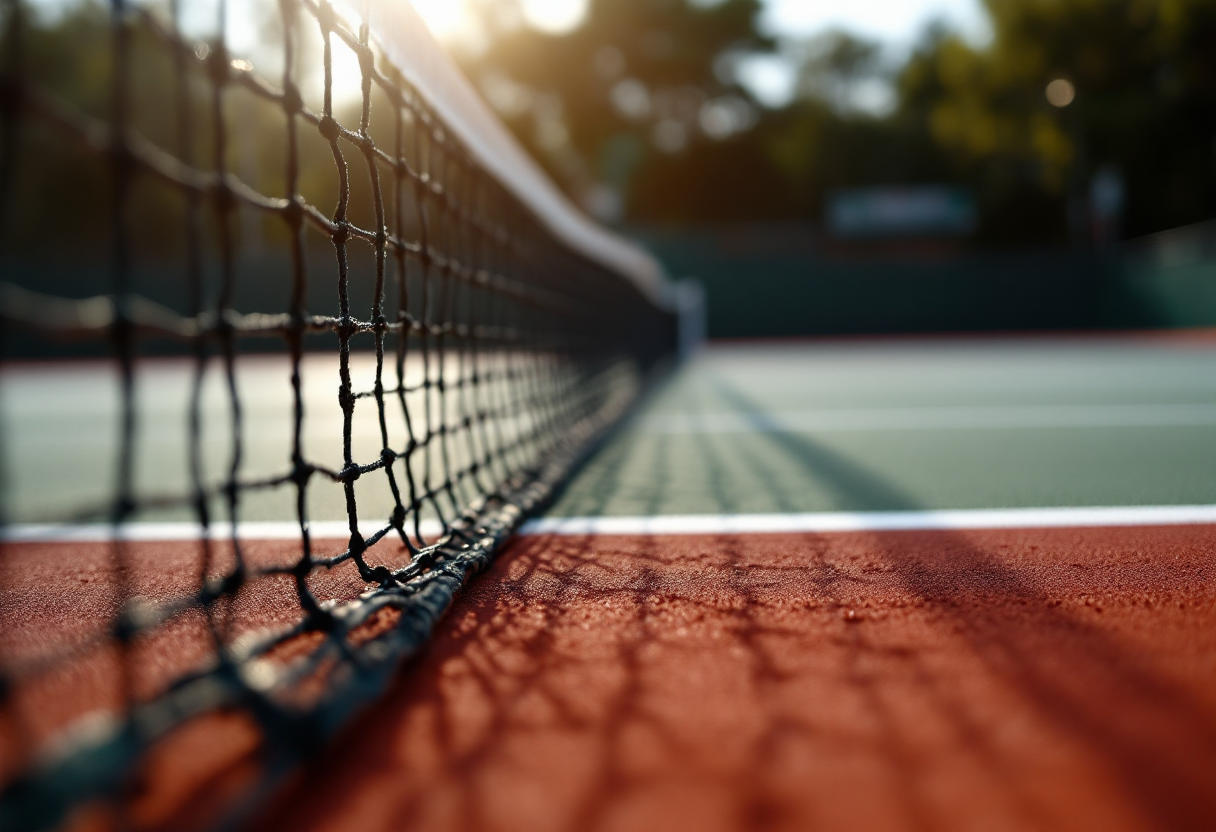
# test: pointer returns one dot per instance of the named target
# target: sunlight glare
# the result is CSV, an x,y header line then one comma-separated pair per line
x,y
348,75
554,16
445,18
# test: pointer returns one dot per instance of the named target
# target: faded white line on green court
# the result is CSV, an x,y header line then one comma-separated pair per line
x,y
863,521
986,417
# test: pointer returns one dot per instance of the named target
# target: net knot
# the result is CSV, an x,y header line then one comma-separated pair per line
x,y
225,324
329,129
293,213
301,473
345,328
124,507
341,233
224,198
293,101
381,575
320,619
230,584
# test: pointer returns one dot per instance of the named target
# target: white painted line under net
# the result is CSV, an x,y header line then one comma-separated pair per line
x,y
820,522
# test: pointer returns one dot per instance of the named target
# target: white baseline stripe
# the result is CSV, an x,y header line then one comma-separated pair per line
x,y
864,521
826,521
936,418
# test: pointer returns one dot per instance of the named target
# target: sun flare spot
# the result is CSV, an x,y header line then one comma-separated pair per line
x,y
556,16
446,19
452,20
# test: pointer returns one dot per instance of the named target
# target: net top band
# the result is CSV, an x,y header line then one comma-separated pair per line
x,y
413,51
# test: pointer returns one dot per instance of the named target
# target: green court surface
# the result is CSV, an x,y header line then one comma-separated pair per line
x,y
911,424
712,629
916,424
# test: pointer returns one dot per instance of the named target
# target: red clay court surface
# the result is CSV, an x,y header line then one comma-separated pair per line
x,y
1061,679
1013,678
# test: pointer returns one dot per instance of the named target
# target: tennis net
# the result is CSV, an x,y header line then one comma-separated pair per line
x,y
336,189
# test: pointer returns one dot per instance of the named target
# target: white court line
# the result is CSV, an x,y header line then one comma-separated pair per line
x,y
864,521
826,521
935,418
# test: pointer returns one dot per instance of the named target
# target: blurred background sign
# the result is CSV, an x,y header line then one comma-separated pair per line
x,y
915,211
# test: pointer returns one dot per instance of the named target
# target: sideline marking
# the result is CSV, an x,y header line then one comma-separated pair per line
x,y
982,417
863,521
823,521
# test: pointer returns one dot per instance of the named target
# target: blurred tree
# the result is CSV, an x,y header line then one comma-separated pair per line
x,y
60,199
638,111
1138,97
844,128
631,101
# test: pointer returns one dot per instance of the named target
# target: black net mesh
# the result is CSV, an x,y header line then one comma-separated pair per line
x,y
487,354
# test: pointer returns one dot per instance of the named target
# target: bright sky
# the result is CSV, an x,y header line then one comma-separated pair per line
x,y
896,22
446,18
893,20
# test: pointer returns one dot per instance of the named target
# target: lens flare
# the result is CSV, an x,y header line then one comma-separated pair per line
x,y
445,18
1060,92
554,16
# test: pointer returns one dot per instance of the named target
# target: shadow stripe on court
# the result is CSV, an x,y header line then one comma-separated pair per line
x,y
935,418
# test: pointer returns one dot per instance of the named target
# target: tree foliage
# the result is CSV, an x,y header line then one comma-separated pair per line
x,y
1144,72
639,105
641,115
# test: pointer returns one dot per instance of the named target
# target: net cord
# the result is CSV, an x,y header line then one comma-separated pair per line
x,y
406,41
515,285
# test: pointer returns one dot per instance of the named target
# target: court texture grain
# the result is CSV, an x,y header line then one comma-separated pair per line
x,y
956,583
437,520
